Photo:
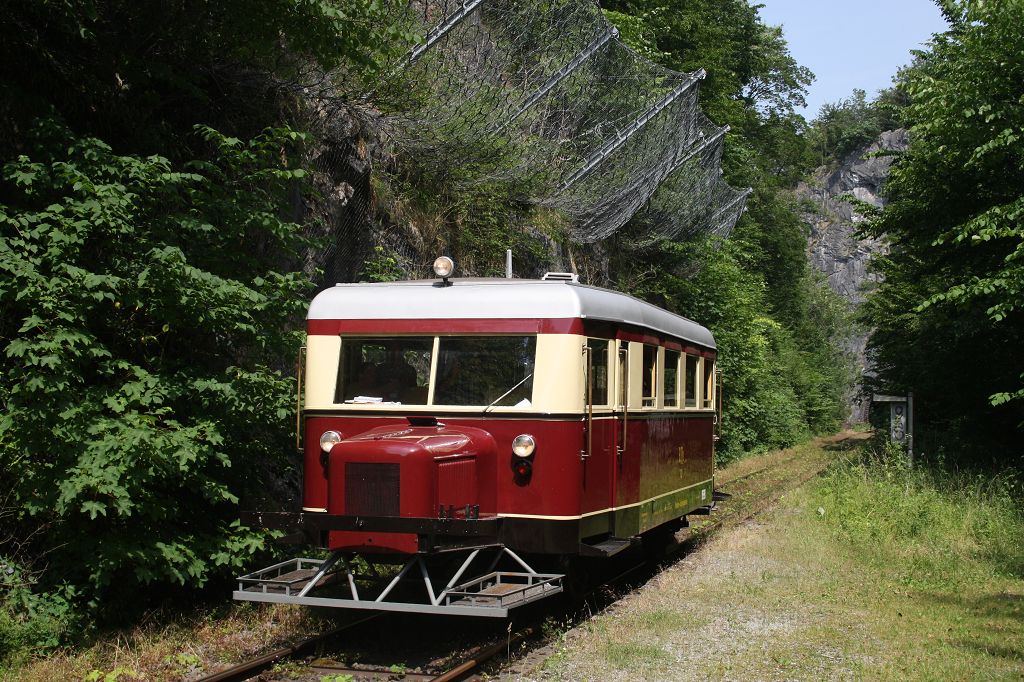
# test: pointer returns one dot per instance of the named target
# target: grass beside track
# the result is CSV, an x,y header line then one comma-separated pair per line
x,y
872,571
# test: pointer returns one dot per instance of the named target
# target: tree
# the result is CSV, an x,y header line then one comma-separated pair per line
x,y
845,126
948,318
785,374
150,276
143,312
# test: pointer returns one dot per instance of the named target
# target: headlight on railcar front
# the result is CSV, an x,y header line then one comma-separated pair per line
x,y
329,439
523,445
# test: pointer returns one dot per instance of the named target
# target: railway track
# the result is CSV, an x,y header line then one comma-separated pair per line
x,y
746,499
320,668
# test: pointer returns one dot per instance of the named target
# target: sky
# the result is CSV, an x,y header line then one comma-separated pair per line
x,y
851,43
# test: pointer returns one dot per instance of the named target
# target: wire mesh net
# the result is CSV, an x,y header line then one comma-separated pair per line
x,y
545,93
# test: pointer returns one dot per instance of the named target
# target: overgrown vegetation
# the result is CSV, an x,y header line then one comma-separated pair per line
x,y
898,519
847,126
948,319
876,571
144,352
150,286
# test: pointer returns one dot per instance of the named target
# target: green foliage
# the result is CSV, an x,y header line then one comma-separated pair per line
x,y
382,266
103,67
473,222
742,55
637,32
183,664
30,621
846,126
142,309
948,319
119,673
875,502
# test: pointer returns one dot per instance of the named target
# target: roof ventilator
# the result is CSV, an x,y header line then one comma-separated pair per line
x,y
561,277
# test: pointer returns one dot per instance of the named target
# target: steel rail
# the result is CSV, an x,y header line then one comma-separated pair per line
x,y
755,472
485,655
253,667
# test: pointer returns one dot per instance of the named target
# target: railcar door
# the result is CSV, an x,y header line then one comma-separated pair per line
x,y
601,435
621,428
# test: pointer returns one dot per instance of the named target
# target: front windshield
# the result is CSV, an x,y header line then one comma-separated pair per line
x,y
471,370
485,371
385,370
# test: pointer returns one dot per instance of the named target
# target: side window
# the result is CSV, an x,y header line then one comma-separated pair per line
x,y
650,378
709,383
671,378
599,356
692,363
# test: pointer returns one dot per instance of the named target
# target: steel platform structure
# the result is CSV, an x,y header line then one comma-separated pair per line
x,y
344,581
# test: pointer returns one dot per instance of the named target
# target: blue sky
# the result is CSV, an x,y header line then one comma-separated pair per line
x,y
851,43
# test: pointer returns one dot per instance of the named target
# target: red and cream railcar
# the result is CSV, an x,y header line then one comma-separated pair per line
x,y
544,416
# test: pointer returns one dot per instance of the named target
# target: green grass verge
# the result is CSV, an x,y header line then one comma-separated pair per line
x,y
939,562
874,571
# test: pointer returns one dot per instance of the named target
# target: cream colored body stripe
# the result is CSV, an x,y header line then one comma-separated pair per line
x,y
603,511
314,509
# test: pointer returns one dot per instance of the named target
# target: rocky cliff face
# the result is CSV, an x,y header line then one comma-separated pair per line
x,y
832,208
832,212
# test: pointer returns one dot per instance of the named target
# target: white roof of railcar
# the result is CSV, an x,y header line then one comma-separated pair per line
x,y
471,298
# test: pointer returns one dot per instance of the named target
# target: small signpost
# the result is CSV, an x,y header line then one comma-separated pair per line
x,y
901,420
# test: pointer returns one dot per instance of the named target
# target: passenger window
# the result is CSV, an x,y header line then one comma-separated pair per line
x,y
671,378
650,393
691,380
384,370
599,355
709,383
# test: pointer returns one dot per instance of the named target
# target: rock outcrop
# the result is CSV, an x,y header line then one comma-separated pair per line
x,y
835,201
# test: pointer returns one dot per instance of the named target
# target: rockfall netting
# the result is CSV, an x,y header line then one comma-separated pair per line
x,y
543,92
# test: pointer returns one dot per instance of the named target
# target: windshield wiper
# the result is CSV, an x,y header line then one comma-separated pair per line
x,y
500,397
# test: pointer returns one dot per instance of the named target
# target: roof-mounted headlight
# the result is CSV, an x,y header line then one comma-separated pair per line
x,y
444,267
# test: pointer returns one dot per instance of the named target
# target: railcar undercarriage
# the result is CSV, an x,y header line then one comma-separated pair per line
x,y
344,580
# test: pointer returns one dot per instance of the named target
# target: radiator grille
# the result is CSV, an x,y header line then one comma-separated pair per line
x,y
456,482
372,489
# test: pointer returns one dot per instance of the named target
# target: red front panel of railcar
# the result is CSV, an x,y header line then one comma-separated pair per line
x,y
553,488
664,453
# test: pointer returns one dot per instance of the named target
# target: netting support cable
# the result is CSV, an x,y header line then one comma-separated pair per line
x,y
699,148
432,37
435,34
560,75
742,197
621,136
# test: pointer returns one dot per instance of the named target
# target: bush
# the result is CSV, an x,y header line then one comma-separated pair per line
x,y
142,309
31,622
